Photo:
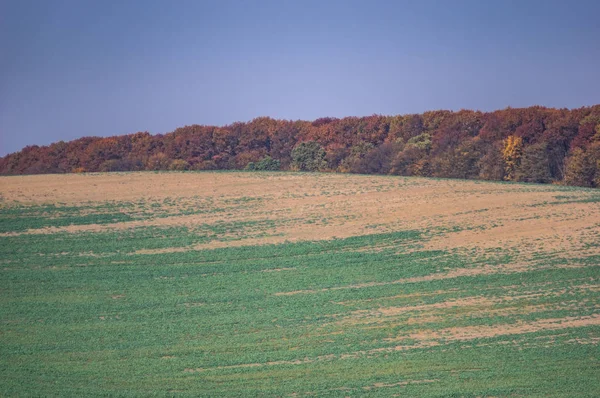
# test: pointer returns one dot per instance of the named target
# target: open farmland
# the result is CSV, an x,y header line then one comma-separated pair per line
x,y
283,284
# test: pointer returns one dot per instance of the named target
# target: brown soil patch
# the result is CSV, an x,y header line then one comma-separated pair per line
x,y
476,332
458,308
327,206
584,341
400,296
465,302
194,304
398,384
278,269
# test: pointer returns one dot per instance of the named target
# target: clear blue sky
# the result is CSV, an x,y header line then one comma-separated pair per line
x,y
77,68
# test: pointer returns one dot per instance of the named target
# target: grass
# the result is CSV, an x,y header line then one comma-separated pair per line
x,y
86,314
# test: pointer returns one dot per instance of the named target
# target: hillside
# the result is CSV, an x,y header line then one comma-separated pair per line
x,y
533,144
293,284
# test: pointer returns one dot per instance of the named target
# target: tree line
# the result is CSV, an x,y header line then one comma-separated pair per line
x,y
534,144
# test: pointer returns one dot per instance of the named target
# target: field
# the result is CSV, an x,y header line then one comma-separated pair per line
x,y
291,284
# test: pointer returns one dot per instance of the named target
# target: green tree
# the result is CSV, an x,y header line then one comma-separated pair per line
x,y
378,160
459,162
308,156
534,166
265,164
421,141
354,162
580,169
491,165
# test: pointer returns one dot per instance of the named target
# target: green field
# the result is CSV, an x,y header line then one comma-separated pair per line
x,y
210,293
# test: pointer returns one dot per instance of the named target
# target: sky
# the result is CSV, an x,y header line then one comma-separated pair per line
x,y
78,68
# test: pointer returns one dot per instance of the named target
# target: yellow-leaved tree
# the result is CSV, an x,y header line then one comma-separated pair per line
x,y
511,153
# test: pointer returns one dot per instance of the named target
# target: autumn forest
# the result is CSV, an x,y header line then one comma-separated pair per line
x,y
535,144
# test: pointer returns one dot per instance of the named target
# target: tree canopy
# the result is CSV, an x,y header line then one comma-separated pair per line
x,y
534,144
